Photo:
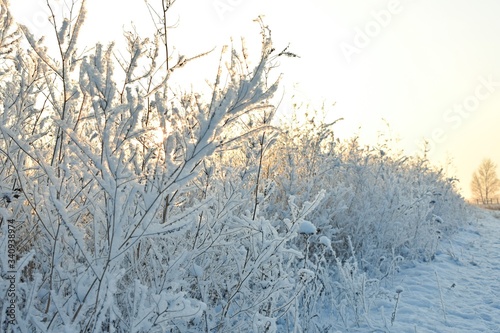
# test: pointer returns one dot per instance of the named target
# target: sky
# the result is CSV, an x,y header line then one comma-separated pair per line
x,y
430,69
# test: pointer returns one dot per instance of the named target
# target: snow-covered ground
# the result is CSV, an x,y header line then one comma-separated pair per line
x,y
458,292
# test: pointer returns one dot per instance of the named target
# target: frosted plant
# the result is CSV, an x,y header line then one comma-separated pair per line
x,y
106,206
144,209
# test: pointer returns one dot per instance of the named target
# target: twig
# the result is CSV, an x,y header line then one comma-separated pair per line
x,y
399,290
441,296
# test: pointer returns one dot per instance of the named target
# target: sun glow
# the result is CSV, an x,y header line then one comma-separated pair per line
x,y
157,135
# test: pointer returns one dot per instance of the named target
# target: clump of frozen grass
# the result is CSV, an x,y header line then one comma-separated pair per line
x,y
355,289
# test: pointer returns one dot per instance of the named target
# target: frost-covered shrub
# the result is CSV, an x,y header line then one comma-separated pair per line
x,y
379,209
124,221
390,205
141,209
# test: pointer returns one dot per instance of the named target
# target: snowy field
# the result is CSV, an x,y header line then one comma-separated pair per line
x,y
458,292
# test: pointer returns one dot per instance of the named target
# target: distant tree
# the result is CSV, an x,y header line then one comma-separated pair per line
x,y
485,183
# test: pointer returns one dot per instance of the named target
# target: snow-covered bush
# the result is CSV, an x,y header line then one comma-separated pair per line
x,y
389,204
119,230
379,208
143,209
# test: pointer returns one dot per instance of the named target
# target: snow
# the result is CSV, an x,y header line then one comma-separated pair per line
x,y
307,228
326,242
457,292
197,271
399,289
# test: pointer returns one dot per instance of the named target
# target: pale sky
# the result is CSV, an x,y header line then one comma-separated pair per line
x,y
431,68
